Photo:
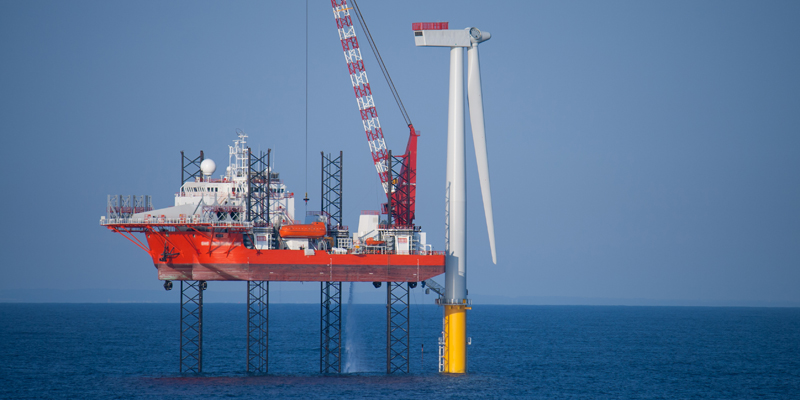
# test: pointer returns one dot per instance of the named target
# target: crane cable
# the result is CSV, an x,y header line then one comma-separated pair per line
x,y
306,198
378,57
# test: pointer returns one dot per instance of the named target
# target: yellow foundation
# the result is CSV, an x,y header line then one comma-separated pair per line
x,y
455,342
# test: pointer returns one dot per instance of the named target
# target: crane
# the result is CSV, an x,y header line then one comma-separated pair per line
x,y
400,188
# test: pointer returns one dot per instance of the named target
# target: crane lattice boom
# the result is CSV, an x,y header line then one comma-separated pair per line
x,y
361,88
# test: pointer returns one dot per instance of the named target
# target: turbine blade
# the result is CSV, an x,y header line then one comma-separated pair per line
x,y
479,139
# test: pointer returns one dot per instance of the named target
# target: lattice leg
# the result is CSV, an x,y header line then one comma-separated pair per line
x,y
397,327
257,326
331,328
192,326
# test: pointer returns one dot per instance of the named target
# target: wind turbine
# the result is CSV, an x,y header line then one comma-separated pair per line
x,y
455,302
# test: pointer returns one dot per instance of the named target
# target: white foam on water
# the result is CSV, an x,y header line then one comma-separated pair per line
x,y
353,346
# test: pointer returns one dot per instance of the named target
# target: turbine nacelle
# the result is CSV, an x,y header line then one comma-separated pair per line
x,y
450,37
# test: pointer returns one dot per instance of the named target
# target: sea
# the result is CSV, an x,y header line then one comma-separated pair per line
x,y
110,351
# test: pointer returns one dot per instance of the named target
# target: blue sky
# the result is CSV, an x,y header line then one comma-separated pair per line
x,y
640,152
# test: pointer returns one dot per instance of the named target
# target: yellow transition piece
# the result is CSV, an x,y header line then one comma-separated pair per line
x,y
455,326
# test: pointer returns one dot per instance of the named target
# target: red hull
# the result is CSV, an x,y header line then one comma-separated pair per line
x,y
195,256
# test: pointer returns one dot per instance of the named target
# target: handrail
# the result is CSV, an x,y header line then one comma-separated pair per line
x,y
188,220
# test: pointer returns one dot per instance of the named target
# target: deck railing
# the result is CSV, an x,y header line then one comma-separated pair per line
x,y
160,220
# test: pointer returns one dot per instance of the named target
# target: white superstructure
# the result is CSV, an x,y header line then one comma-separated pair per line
x,y
225,198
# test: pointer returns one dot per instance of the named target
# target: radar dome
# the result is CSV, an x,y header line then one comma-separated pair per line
x,y
208,166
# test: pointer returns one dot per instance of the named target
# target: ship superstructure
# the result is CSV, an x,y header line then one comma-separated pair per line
x,y
225,198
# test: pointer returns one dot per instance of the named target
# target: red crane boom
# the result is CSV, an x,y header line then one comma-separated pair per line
x,y
401,187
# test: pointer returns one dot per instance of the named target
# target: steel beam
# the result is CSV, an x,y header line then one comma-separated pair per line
x,y
397,327
258,326
258,181
190,167
332,189
401,202
191,354
331,328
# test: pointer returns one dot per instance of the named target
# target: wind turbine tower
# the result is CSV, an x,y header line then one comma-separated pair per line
x,y
453,357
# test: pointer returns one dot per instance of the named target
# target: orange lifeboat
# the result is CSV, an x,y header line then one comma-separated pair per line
x,y
372,242
312,230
